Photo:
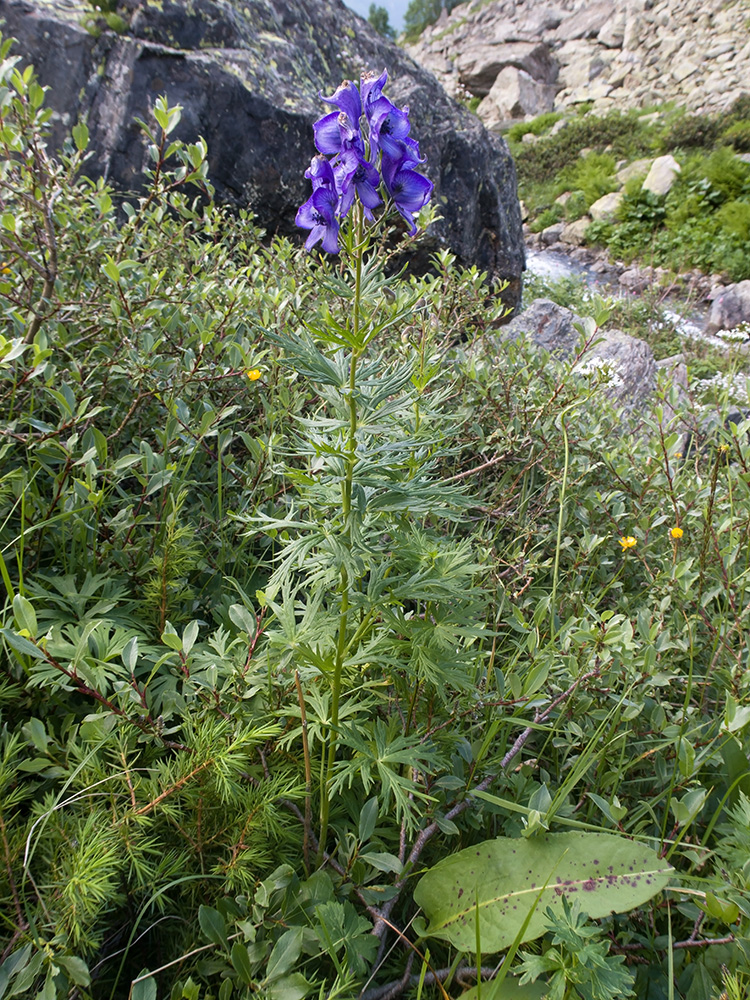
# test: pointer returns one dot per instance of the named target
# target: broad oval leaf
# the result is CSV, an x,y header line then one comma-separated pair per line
x,y
502,880
212,924
145,988
509,989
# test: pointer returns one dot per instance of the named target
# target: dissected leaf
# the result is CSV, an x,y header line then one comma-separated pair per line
x,y
502,878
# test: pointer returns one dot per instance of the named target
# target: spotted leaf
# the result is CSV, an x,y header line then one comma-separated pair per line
x,y
499,881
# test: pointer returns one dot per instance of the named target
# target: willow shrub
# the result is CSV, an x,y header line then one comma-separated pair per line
x,y
545,622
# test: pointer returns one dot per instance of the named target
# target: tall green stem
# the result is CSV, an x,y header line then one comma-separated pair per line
x,y
560,517
346,507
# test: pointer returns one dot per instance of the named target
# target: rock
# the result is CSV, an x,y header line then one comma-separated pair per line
x,y
548,325
574,231
515,94
580,64
585,22
612,31
637,168
248,79
636,280
683,70
660,177
552,233
629,362
605,208
478,66
730,308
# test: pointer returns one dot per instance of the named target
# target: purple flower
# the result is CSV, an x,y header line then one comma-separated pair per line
x,y
409,190
320,173
372,88
346,98
355,175
388,128
327,134
318,214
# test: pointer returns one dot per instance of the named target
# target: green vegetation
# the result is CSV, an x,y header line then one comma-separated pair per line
x,y
378,18
311,583
421,13
703,222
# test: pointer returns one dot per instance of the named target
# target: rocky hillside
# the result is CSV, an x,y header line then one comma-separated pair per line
x,y
519,59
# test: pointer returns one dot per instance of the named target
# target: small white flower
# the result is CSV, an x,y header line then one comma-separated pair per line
x,y
604,371
737,333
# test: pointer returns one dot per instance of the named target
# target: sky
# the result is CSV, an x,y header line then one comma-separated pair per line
x,y
395,9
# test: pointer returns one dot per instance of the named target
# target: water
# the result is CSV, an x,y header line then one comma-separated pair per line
x,y
552,265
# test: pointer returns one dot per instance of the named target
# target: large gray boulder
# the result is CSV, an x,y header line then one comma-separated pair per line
x,y
248,77
730,308
625,364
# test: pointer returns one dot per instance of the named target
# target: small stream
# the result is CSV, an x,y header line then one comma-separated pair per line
x,y
553,265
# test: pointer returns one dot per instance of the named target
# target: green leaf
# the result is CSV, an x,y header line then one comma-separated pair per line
x,y
48,991
509,989
12,966
145,989
80,136
22,645
189,635
382,861
293,987
241,962
212,924
503,878
243,618
130,653
368,817
737,769
285,953
170,638
35,733
25,616
76,968
26,975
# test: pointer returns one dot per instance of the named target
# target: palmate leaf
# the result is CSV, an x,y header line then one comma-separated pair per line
x,y
503,879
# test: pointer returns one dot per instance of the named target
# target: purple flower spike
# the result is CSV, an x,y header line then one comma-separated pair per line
x,y
409,190
318,214
342,171
346,98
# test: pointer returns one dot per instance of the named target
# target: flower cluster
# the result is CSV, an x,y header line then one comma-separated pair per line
x,y
604,369
367,140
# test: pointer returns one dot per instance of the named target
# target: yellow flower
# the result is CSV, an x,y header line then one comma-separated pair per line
x,y
724,448
627,542
676,532
4,269
253,374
